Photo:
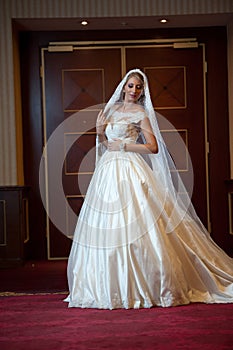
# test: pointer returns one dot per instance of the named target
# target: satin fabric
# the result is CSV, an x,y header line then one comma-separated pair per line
x,y
122,255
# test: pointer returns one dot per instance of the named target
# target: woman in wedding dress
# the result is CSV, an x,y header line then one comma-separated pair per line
x,y
138,243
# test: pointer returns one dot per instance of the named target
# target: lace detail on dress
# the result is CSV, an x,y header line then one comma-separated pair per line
x,y
124,125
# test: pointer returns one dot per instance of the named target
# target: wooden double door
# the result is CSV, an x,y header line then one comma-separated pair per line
x,y
76,83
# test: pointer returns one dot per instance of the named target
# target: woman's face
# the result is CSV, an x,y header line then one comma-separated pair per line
x,y
133,90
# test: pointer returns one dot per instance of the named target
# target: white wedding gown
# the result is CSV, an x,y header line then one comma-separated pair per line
x,y
122,257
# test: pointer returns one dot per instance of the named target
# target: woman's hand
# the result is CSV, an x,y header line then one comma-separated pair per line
x,y
100,124
114,145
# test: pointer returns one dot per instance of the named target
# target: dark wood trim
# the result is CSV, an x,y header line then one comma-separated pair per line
x,y
14,233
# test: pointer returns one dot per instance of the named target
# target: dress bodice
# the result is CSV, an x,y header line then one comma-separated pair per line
x,y
124,126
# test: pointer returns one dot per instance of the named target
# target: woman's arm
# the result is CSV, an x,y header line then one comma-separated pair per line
x,y
100,127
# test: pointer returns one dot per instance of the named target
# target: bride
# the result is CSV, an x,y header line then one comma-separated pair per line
x,y
138,242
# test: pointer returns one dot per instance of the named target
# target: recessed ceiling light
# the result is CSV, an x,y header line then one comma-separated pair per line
x,y
84,23
163,20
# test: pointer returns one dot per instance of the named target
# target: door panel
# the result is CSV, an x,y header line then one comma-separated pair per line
x,y
75,81
176,80
87,77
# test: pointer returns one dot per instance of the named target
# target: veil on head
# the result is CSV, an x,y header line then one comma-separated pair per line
x,y
177,200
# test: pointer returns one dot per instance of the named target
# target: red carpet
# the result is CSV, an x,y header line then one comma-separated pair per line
x,y
39,322
43,321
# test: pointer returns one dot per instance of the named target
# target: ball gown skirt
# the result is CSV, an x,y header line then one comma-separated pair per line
x,y
122,255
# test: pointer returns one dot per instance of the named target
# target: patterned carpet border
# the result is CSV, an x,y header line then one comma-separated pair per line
x,y
15,294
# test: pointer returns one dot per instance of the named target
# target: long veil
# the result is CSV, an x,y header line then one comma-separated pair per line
x,y
177,198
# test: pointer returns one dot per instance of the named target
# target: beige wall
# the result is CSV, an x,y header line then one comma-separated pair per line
x,y
10,115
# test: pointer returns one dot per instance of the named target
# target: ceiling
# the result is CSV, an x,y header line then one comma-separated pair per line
x,y
117,23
